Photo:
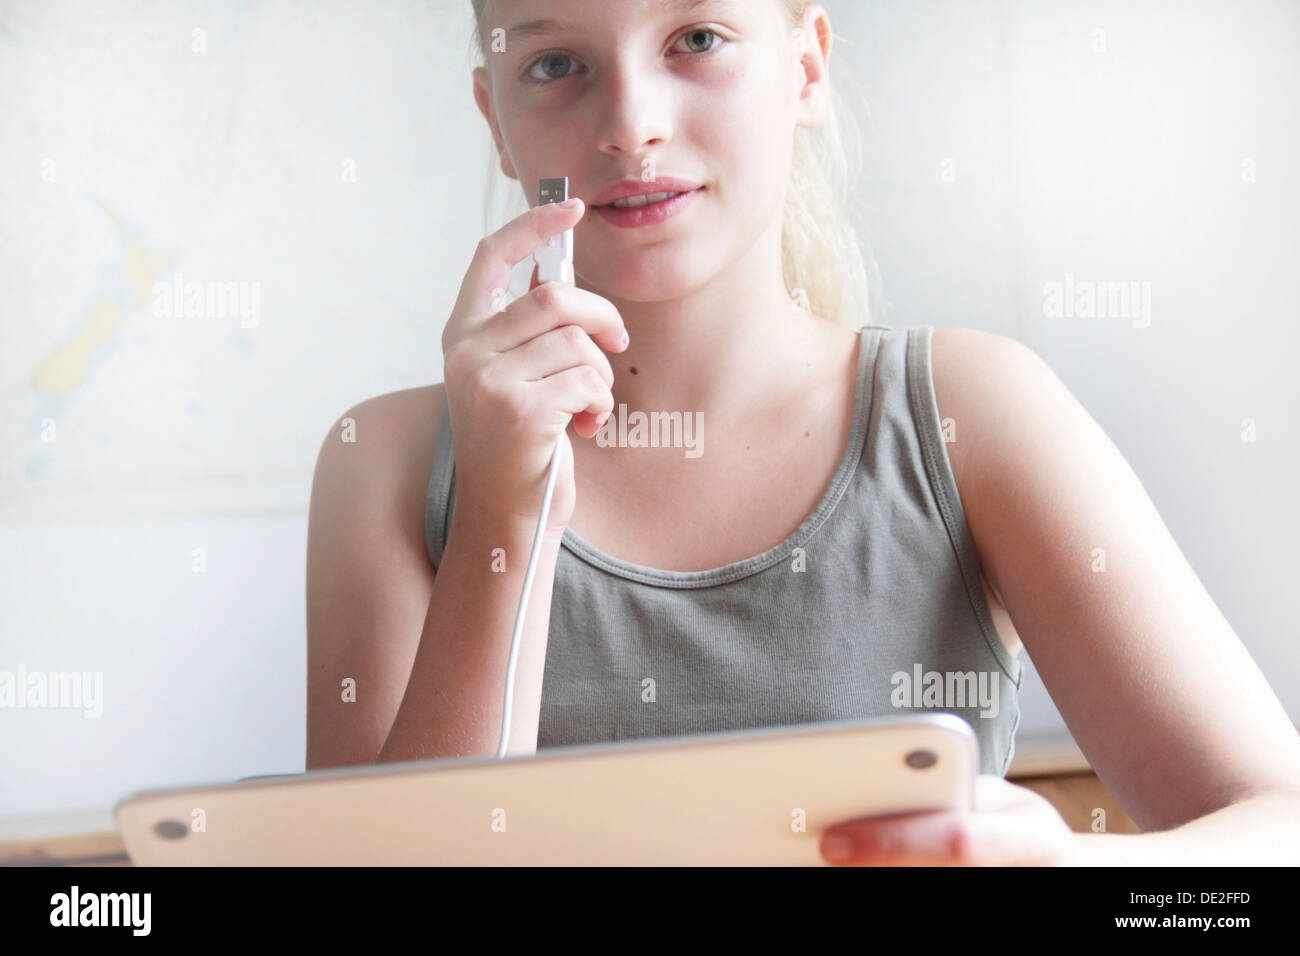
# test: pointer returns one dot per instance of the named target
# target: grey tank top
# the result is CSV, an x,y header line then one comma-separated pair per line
x,y
872,607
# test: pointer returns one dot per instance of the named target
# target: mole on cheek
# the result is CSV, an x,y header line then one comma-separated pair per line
x,y
632,369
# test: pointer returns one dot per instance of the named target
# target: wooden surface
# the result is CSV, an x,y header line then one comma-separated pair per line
x,y
1078,798
89,849
1052,766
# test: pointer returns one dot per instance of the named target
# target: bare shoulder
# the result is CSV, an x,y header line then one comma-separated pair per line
x,y
372,471
383,442
979,377
400,417
974,373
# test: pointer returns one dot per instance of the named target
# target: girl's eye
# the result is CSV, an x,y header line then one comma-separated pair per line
x,y
700,35
698,40
549,62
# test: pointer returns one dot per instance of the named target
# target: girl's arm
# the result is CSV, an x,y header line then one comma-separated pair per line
x,y
427,652
1157,689
369,580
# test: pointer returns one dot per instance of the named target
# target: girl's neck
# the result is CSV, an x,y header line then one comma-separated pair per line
x,y
724,349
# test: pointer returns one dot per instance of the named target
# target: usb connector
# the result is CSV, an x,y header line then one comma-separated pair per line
x,y
554,258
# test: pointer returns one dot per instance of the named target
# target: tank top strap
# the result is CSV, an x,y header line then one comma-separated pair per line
x,y
909,354
441,496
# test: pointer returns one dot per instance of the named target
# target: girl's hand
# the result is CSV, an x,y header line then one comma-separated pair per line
x,y
515,376
1009,826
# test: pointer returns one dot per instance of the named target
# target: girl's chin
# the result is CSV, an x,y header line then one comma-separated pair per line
x,y
646,275
648,289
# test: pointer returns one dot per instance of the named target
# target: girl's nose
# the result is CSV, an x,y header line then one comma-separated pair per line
x,y
633,117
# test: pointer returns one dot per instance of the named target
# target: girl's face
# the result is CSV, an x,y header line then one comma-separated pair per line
x,y
705,91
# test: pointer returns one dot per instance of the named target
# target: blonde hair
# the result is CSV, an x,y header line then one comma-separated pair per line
x,y
820,251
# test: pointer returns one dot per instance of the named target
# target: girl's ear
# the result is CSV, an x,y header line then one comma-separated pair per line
x,y
483,97
813,47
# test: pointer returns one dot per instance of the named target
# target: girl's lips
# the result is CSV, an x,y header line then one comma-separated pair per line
x,y
650,215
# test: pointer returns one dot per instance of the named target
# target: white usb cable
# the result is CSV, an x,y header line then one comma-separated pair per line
x,y
554,263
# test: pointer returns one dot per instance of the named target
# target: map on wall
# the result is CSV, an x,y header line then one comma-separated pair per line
x,y
212,244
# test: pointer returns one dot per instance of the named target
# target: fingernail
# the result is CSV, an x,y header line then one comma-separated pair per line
x,y
569,203
625,338
837,848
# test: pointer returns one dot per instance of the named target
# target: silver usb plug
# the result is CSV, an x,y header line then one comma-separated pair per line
x,y
554,258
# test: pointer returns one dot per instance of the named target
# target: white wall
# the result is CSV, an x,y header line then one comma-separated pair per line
x,y
1008,144
1109,141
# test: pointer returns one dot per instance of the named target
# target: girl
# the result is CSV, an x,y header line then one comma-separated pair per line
x,y
870,505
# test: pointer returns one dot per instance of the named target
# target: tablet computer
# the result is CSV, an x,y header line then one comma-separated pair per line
x,y
762,796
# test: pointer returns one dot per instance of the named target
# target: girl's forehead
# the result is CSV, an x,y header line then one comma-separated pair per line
x,y
576,12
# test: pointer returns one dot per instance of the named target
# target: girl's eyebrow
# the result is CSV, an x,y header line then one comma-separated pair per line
x,y
542,27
